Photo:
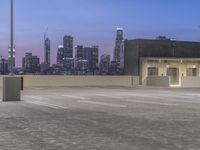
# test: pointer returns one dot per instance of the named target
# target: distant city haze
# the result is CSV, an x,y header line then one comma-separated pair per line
x,y
94,22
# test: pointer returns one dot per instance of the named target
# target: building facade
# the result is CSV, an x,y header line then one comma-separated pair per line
x,y
118,55
68,66
161,57
118,45
3,66
114,68
30,63
47,52
104,64
60,54
80,52
87,57
92,56
68,47
82,67
174,68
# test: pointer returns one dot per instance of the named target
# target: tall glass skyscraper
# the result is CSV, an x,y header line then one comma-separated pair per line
x,y
47,52
104,64
119,42
68,47
92,55
60,54
118,56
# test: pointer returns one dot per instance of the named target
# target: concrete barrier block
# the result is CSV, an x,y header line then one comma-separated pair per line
x,y
160,81
190,82
11,88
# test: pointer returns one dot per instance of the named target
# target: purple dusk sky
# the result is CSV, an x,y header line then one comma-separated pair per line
x,y
93,22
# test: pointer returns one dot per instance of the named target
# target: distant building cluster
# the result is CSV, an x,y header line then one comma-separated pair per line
x,y
138,57
81,60
86,60
30,63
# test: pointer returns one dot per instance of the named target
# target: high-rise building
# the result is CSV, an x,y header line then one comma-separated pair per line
x,y
9,60
87,56
60,55
30,63
121,64
115,68
104,64
68,47
44,68
35,64
3,66
92,55
118,44
119,48
68,65
57,69
82,67
80,52
47,50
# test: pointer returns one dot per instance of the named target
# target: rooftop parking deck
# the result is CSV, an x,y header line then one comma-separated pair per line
x,y
97,118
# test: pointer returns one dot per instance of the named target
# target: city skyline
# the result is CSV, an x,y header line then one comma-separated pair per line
x,y
94,23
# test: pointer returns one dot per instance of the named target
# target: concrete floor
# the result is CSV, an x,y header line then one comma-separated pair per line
x,y
93,118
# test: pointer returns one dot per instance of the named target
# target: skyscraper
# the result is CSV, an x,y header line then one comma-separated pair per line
x,y
119,46
104,64
30,63
80,52
92,55
68,64
68,47
82,67
60,54
47,47
3,66
117,65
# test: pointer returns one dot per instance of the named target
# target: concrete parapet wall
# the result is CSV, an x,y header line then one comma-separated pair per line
x,y
162,81
56,81
190,82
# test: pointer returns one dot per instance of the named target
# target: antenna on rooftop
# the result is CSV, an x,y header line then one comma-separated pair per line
x,y
45,33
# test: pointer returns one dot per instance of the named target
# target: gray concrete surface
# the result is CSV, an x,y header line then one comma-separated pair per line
x,y
93,118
